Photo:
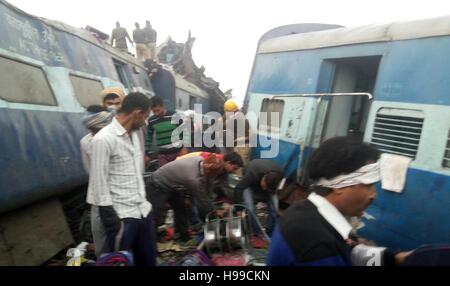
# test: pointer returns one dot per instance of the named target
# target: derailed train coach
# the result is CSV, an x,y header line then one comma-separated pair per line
x,y
49,73
387,85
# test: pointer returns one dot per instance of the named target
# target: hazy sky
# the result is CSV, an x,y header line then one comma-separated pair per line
x,y
227,31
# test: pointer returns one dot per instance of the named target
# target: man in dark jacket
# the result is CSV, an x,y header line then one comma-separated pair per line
x,y
259,183
315,231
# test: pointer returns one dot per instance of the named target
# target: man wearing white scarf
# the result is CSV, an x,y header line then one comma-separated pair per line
x,y
316,232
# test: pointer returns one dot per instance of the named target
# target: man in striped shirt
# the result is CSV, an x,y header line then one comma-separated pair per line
x,y
159,132
116,185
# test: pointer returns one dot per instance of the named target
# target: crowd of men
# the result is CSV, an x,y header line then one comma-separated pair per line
x,y
128,210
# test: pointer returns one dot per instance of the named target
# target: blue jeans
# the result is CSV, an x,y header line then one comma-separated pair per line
x,y
272,204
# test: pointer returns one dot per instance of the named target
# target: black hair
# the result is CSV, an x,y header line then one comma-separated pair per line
x,y
133,101
339,156
95,108
110,96
156,101
273,179
234,158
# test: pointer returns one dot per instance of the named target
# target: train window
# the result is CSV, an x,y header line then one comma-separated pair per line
x,y
446,161
86,90
120,68
271,115
24,83
398,131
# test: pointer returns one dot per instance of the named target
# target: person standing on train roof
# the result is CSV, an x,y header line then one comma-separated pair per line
x,y
142,50
150,39
119,38
159,132
112,98
316,231
116,184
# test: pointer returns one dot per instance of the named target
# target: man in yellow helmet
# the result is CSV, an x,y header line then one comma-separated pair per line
x,y
234,117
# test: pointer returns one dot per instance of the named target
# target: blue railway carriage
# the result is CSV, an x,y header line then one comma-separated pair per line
x,y
49,73
388,85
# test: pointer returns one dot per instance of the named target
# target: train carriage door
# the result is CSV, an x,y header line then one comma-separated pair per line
x,y
347,115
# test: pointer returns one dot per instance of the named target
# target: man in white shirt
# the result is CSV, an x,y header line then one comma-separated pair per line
x,y
116,184
315,231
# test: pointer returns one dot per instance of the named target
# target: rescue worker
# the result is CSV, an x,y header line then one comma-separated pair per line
x,y
150,39
119,38
259,183
237,126
173,181
142,50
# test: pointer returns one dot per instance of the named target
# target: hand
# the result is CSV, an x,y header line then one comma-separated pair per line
x,y
220,213
146,160
401,256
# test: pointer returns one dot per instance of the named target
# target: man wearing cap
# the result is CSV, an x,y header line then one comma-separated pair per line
x,y
316,231
236,131
112,98
259,183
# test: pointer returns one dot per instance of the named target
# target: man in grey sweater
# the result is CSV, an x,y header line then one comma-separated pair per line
x,y
173,181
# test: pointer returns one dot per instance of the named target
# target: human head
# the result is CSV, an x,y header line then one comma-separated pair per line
x,y
135,106
112,97
117,24
147,23
232,162
137,25
270,181
343,156
97,118
212,166
230,106
157,106
112,101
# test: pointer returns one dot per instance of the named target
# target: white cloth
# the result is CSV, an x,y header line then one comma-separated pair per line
x,y
393,169
331,214
366,175
86,151
117,167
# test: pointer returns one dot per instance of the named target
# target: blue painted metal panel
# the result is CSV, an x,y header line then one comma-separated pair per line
x,y
40,155
418,215
416,71
287,158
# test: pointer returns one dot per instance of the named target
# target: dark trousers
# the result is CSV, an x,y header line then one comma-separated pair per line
x,y
159,197
136,236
